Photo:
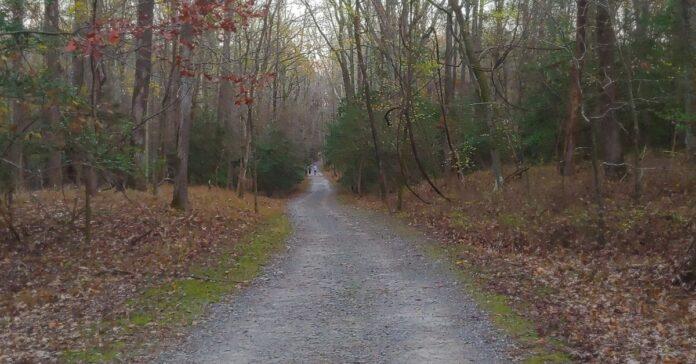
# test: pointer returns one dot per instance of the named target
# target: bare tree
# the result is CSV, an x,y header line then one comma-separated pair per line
x,y
368,101
576,67
686,39
613,152
484,91
51,25
141,93
18,118
180,197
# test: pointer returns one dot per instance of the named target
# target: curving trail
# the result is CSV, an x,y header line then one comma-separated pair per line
x,y
350,289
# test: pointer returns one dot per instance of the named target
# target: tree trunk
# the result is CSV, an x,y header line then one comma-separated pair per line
x,y
451,155
18,109
448,87
168,112
141,92
613,152
225,105
597,184
686,37
368,103
345,77
55,164
637,169
78,65
246,154
360,177
484,92
641,10
225,89
77,75
575,100
180,197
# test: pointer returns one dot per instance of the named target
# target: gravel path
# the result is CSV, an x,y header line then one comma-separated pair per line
x,y
349,289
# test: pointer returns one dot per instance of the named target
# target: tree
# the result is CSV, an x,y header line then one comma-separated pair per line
x,y
685,40
141,92
368,102
575,98
19,110
613,152
55,75
484,92
186,40
280,165
339,51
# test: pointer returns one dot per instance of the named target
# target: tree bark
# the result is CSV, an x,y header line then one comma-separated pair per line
x,y
484,91
77,79
169,111
225,105
448,87
77,61
55,164
686,39
575,99
246,153
18,108
180,197
141,92
368,103
613,150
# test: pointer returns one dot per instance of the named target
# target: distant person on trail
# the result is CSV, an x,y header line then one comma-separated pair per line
x,y
314,169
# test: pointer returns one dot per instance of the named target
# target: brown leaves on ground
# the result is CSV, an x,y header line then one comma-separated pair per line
x,y
536,242
53,285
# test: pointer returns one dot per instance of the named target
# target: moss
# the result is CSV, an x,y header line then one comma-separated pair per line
x,y
556,357
500,310
141,319
459,220
511,220
94,355
181,301
579,217
681,219
544,291
505,317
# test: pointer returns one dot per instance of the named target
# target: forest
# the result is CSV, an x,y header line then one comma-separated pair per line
x,y
548,144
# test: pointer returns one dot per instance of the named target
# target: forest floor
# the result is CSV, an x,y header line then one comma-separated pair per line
x,y
536,244
148,270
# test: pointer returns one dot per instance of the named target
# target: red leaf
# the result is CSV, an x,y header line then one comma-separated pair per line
x,y
71,46
114,37
186,73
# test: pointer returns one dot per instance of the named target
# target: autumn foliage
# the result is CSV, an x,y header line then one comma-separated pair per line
x,y
57,291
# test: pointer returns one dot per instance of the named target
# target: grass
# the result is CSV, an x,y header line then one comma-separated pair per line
x,y
459,219
515,221
182,301
500,310
94,355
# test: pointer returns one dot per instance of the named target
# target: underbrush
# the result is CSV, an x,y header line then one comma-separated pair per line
x,y
59,294
536,242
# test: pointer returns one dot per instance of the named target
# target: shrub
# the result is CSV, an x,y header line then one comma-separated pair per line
x,y
280,165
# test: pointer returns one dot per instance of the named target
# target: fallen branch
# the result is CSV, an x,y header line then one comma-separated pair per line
x,y
516,174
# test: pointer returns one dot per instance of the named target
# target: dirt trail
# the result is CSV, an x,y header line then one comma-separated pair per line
x,y
349,289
